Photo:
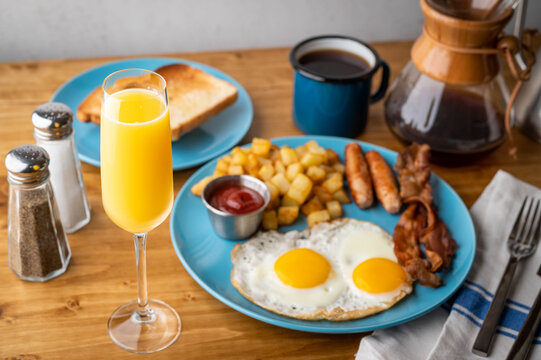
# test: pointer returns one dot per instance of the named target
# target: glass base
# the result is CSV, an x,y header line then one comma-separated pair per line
x,y
147,334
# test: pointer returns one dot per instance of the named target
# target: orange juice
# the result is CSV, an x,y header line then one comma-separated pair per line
x,y
136,159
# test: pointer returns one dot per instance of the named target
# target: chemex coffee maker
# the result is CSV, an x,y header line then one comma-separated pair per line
x,y
452,95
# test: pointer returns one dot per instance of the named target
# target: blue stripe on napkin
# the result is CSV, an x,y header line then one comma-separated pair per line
x,y
473,302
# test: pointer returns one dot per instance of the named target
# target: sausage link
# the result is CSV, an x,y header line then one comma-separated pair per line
x,y
358,176
384,182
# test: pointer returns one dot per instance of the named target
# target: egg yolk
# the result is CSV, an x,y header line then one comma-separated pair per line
x,y
302,268
378,275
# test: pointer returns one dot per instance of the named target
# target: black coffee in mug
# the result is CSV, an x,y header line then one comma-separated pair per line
x,y
332,62
333,78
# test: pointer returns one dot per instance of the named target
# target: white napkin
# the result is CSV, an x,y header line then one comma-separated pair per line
x,y
448,333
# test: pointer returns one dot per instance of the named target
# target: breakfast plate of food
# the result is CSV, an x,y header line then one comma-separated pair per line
x,y
210,111
330,256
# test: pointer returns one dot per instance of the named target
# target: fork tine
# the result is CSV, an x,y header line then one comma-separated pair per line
x,y
533,233
526,226
530,225
517,227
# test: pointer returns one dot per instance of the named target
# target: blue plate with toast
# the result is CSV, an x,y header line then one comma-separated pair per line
x,y
207,257
215,136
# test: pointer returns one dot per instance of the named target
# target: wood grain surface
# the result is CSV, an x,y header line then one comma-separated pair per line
x,y
66,318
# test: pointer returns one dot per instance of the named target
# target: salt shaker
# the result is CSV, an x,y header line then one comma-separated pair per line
x,y
38,249
54,132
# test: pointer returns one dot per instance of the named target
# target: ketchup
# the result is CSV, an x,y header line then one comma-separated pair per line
x,y
236,199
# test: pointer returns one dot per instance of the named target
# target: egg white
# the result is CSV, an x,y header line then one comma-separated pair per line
x,y
344,243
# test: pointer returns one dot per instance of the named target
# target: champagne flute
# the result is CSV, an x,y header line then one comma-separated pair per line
x,y
137,194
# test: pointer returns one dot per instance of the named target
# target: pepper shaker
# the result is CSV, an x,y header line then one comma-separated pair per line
x,y
54,132
38,249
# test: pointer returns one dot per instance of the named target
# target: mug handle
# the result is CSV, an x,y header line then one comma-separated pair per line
x,y
384,83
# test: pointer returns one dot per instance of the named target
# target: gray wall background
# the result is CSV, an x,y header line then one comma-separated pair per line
x,y
43,29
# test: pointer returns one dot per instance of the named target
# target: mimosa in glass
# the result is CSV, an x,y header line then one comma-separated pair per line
x,y
137,193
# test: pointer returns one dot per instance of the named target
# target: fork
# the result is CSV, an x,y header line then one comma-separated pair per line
x,y
521,244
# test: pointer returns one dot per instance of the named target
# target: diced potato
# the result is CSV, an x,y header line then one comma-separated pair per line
x,y
341,196
323,194
288,155
269,221
334,208
328,169
317,217
266,172
288,201
235,170
311,159
274,199
312,144
303,183
197,189
287,215
312,205
280,181
300,188
274,192
263,161
222,165
274,153
237,150
301,150
319,151
218,173
334,183
279,167
339,167
317,174
261,147
332,157
253,162
297,195
239,158
273,204
253,172
293,169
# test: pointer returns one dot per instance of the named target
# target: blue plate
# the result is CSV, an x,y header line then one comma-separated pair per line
x,y
209,140
207,257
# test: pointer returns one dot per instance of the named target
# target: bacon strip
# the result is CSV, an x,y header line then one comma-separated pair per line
x,y
414,172
420,222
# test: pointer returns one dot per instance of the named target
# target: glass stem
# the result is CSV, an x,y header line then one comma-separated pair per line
x,y
143,311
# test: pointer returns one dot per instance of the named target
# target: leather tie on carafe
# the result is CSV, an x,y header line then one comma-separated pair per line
x,y
507,47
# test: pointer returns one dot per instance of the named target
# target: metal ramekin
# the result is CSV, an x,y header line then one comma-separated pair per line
x,y
235,226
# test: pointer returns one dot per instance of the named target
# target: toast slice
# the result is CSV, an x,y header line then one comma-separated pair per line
x,y
194,96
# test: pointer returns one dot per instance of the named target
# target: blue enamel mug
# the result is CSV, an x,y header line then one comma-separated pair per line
x,y
325,104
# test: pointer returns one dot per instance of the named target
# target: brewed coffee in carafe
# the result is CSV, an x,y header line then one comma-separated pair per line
x,y
452,95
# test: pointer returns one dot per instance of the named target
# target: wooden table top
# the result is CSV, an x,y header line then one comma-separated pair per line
x,y
66,317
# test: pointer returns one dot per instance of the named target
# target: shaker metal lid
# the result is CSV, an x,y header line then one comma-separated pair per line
x,y
52,121
27,164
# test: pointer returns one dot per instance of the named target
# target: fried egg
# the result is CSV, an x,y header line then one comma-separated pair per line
x,y
341,270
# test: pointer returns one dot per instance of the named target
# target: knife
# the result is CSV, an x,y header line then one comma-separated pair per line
x,y
522,344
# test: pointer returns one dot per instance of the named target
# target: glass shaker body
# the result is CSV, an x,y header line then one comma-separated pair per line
x,y
67,182
456,121
38,248
53,131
